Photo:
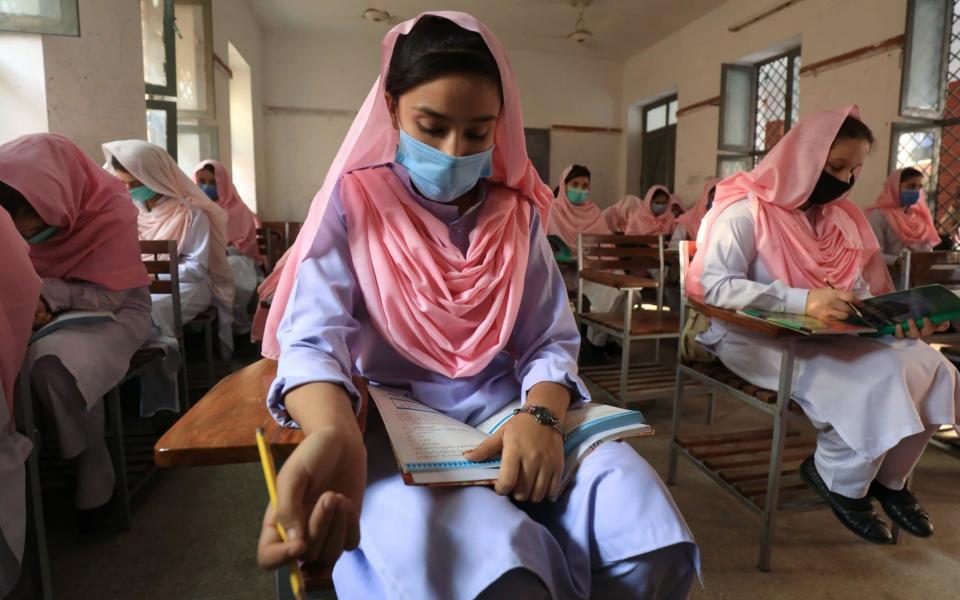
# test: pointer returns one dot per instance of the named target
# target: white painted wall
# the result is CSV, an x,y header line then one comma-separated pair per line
x,y
23,93
689,60
314,85
234,22
94,83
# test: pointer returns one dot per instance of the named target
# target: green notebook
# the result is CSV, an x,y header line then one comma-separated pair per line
x,y
561,251
880,314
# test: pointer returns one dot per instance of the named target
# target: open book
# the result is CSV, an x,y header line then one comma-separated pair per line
x,y
429,445
70,318
878,315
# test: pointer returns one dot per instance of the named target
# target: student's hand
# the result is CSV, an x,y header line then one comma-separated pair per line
x,y
915,333
42,316
531,464
828,304
319,494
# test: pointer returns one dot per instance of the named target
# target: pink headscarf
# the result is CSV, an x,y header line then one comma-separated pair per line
x,y
843,245
568,219
97,240
913,225
404,260
18,303
644,222
156,169
242,223
618,215
691,219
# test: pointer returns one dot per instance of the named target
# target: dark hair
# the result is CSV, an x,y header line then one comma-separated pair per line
x,y
577,171
660,193
209,169
435,47
14,202
909,173
854,129
116,165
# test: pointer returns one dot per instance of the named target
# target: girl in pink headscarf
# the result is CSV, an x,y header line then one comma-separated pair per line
x,y
688,224
901,218
619,215
19,298
572,211
243,253
777,238
424,263
82,234
654,216
172,207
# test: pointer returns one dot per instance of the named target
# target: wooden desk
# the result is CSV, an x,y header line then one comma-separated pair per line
x,y
219,429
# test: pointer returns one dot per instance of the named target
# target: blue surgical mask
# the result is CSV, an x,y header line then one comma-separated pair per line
x,y
141,194
439,176
576,196
658,209
210,189
909,197
43,235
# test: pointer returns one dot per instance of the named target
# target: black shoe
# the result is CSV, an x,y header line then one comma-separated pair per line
x,y
95,519
856,514
903,508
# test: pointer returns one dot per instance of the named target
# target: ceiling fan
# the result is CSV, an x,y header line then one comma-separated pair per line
x,y
581,34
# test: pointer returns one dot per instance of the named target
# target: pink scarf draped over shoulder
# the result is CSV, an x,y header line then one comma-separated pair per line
x,y
644,222
914,225
242,223
568,219
18,303
691,219
842,246
444,312
619,215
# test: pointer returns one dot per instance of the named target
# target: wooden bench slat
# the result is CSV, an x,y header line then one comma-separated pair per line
x,y
620,281
642,322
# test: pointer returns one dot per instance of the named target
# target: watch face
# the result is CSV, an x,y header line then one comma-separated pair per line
x,y
542,414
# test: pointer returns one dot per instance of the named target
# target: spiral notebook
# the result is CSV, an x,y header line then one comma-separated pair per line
x,y
429,445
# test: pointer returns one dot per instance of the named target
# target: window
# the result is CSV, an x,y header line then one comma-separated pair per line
x,y
194,62
55,17
930,98
660,115
196,143
659,145
759,104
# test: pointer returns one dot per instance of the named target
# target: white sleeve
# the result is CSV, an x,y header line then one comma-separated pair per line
x,y
726,268
195,251
881,229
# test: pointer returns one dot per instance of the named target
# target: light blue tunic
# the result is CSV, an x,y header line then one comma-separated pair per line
x,y
420,542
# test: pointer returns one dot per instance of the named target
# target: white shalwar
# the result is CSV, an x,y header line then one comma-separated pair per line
x,y
245,277
874,400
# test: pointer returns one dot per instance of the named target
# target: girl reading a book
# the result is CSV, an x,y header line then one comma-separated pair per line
x,y
780,238
423,264
18,304
688,224
82,235
618,215
901,218
242,223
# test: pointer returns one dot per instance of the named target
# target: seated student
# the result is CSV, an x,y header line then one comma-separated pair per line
x,y
654,216
83,242
19,298
688,224
901,218
242,250
172,207
618,215
676,206
433,183
572,211
775,236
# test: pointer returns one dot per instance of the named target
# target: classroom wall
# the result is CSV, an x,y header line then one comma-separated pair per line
x,y
689,61
234,22
314,85
94,83
23,90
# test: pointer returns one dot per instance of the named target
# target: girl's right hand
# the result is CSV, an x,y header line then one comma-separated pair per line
x,y
828,304
319,494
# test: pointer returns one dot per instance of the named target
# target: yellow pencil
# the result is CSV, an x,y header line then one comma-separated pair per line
x,y
270,474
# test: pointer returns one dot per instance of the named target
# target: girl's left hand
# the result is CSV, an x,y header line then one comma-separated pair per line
x,y
531,465
915,333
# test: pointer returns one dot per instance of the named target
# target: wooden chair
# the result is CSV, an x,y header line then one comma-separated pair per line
x,y
206,322
925,268
271,245
758,466
623,262
219,429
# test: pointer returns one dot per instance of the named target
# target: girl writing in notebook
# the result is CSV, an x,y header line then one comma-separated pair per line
x,y
688,224
780,238
423,263
82,233
901,218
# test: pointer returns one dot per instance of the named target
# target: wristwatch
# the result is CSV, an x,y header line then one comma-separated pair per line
x,y
544,416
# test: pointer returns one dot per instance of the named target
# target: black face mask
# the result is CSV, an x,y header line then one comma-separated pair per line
x,y
829,188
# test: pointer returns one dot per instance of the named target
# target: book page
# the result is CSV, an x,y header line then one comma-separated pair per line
x,y
424,438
